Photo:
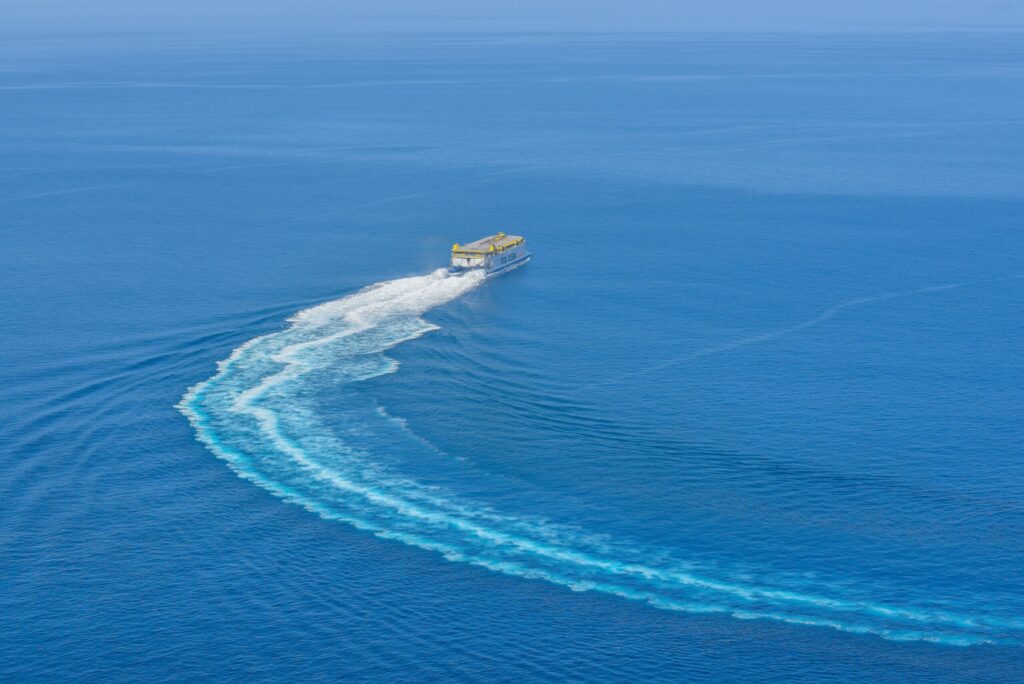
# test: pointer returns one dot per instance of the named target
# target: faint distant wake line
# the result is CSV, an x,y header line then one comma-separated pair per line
x,y
67,191
763,337
339,154
299,162
407,82
113,85
130,84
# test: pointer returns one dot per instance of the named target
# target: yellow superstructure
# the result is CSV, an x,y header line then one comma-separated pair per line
x,y
488,245
493,254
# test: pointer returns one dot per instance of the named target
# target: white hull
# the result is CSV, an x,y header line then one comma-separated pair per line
x,y
493,255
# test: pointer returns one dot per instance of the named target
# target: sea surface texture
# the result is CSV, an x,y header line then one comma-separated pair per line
x,y
752,413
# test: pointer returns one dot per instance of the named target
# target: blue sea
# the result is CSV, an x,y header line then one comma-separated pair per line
x,y
752,413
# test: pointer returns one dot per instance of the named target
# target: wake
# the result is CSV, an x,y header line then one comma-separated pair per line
x,y
259,413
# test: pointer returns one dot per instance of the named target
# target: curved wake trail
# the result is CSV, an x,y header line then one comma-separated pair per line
x,y
259,413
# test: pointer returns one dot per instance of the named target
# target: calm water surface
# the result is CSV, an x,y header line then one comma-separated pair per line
x,y
752,413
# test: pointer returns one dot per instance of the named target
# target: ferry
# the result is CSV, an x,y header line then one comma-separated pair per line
x,y
493,254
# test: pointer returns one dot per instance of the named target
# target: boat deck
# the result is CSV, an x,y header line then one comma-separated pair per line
x,y
491,243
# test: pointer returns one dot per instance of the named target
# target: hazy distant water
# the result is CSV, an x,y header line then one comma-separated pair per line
x,y
753,412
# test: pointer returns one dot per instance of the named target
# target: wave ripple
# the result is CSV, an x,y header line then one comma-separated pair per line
x,y
258,414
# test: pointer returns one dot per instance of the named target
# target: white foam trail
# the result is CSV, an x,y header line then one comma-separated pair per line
x,y
256,413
